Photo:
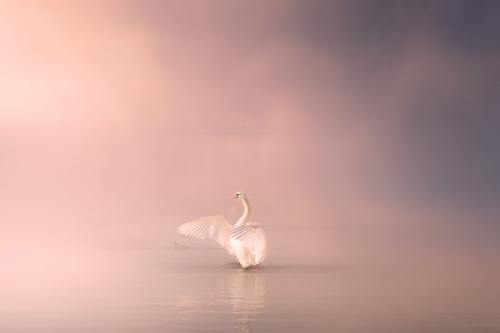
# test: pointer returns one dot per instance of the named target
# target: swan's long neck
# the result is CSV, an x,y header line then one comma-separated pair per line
x,y
246,212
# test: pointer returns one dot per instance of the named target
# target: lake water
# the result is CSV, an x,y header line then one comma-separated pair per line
x,y
168,290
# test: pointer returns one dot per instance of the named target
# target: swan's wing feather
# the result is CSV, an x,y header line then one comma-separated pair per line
x,y
250,235
215,228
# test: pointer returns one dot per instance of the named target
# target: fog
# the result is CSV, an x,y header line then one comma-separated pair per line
x,y
364,134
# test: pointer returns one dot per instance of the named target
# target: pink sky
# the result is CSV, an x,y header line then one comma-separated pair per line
x,y
144,116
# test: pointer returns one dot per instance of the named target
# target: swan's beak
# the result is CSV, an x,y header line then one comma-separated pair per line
x,y
234,197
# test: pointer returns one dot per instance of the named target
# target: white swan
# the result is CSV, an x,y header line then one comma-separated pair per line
x,y
245,240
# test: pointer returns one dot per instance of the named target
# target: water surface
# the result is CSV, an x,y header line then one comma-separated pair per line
x,y
168,290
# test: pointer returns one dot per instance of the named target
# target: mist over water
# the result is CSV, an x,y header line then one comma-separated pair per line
x,y
158,289
312,280
365,135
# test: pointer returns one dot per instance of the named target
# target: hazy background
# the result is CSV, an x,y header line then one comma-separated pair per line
x,y
365,133
121,119
358,129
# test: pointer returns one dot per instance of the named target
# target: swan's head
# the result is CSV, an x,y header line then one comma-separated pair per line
x,y
239,195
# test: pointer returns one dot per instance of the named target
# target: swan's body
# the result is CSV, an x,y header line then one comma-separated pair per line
x,y
245,240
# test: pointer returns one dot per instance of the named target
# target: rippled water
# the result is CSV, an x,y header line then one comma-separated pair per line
x,y
166,290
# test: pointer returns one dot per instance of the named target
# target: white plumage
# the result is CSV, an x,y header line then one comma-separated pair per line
x,y
245,240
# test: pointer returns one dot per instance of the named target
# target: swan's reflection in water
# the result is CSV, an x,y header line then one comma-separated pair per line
x,y
242,294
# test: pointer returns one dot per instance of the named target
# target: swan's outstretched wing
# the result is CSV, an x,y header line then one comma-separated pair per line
x,y
250,235
216,228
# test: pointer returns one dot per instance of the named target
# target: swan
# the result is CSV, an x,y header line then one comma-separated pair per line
x,y
245,240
